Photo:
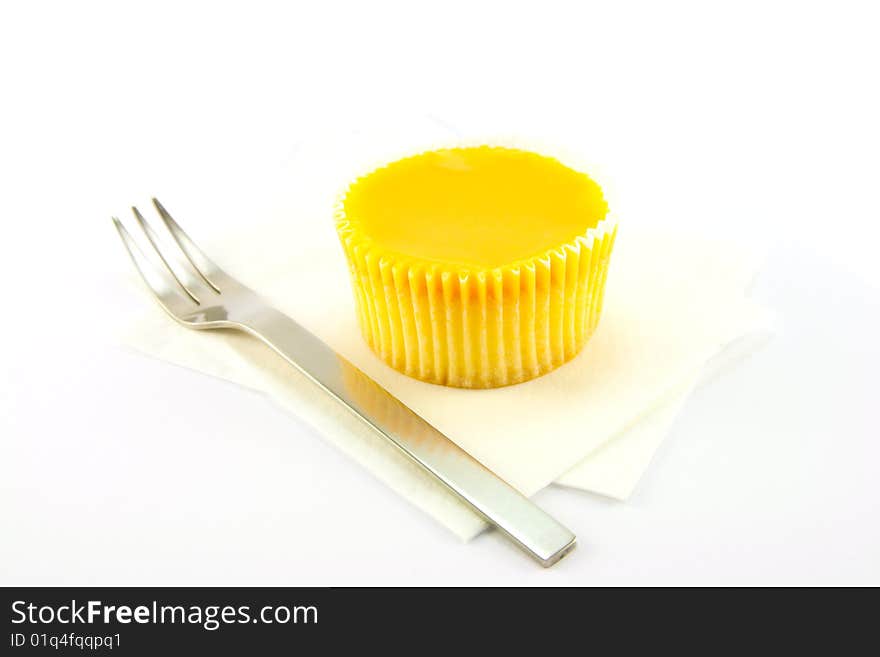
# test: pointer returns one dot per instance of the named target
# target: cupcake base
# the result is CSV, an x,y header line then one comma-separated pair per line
x,y
480,329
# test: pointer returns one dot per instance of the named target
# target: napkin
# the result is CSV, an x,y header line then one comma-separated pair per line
x,y
672,301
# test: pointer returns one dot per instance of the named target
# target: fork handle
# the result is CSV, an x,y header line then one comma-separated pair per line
x,y
516,516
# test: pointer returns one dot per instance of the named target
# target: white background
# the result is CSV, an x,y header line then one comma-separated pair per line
x,y
756,119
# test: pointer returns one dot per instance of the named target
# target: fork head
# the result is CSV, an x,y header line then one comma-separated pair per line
x,y
187,284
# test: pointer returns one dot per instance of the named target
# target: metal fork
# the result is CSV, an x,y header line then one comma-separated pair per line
x,y
200,295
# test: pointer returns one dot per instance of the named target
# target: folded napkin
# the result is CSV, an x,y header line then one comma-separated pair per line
x,y
671,303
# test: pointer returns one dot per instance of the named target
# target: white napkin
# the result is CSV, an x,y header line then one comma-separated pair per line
x,y
672,301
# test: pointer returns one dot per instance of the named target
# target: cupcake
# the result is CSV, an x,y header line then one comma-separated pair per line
x,y
476,267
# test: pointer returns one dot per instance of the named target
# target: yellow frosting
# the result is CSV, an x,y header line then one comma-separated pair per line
x,y
476,267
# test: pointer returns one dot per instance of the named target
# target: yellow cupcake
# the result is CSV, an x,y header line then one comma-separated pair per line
x,y
476,267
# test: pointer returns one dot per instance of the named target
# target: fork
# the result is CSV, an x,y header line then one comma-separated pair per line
x,y
200,295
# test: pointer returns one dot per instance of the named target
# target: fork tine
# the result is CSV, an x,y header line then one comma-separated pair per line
x,y
197,259
164,289
182,279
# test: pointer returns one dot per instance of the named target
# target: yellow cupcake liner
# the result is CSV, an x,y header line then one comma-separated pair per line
x,y
473,328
